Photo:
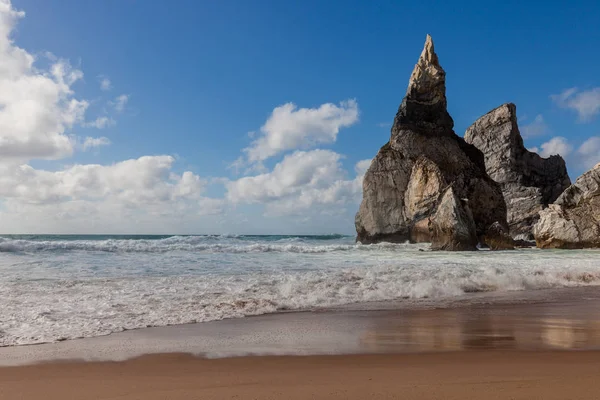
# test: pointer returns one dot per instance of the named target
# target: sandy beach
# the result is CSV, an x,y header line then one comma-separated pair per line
x,y
540,345
456,375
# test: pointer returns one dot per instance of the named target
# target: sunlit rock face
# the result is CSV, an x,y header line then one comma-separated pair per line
x,y
573,220
409,175
529,182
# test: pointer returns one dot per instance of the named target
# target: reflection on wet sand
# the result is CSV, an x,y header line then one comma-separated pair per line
x,y
532,327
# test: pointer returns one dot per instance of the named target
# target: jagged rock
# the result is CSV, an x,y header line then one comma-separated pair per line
x,y
405,181
498,238
452,226
529,182
424,186
573,221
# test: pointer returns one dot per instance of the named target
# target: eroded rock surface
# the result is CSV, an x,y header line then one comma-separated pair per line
x,y
529,182
573,220
451,225
424,156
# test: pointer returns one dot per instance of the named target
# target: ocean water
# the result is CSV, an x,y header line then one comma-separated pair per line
x,y
54,288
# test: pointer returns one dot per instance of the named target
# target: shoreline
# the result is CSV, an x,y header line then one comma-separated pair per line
x,y
541,320
540,344
551,375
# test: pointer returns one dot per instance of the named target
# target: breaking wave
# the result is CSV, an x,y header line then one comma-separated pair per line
x,y
56,288
210,244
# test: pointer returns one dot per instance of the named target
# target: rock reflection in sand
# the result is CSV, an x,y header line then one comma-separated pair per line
x,y
533,327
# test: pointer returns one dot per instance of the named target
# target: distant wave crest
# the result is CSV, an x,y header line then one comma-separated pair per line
x,y
210,244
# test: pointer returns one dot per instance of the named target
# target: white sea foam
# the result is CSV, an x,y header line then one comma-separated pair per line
x,y
209,244
60,289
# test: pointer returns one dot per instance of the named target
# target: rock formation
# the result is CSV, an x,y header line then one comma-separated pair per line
x,y
411,173
529,182
573,220
452,226
498,238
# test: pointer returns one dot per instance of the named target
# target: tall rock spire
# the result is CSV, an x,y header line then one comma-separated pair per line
x,y
403,189
425,101
427,82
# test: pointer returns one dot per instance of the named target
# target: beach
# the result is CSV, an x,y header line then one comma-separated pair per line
x,y
542,344
455,375
277,317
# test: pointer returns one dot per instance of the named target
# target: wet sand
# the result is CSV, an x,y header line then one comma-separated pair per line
x,y
544,344
454,375
565,319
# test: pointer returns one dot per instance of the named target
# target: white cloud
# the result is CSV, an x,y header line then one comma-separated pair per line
x,y
304,180
146,180
37,109
556,145
37,106
142,194
90,142
289,128
585,157
120,102
586,103
537,127
101,123
210,206
589,152
362,166
105,84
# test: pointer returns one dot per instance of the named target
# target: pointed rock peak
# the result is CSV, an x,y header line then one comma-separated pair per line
x,y
428,80
428,55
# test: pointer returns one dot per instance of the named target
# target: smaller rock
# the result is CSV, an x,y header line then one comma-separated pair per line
x,y
451,226
555,231
529,182
573,221
497,238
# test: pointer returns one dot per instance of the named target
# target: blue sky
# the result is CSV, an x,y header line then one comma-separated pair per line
x,y
189,80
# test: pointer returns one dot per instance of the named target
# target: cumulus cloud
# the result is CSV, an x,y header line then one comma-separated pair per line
x,y
302,180
556,145
584,157
586,103
142,194
100,123
120,102
362,166
537,127
37,106
145,180
105,84
90,142
589,152
39,109
289,128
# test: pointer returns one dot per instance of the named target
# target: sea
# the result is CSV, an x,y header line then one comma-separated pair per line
x,y
60,287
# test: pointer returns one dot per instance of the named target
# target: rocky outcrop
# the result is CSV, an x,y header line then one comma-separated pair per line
x,y
496,237
529,182
410,174
573,221
451,225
